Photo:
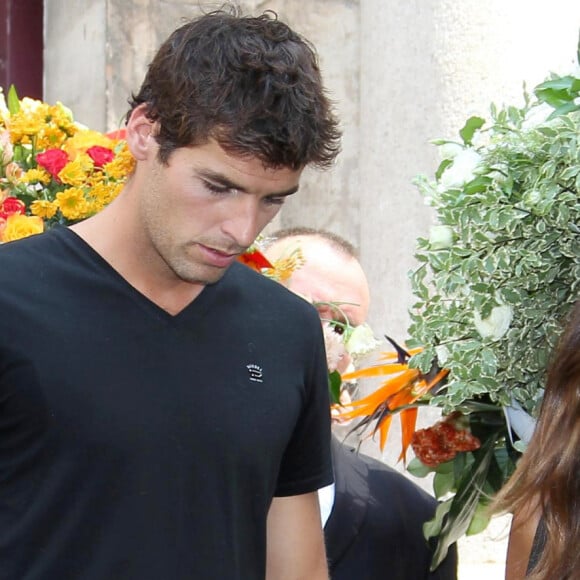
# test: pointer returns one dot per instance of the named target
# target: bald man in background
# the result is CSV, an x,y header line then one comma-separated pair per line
x,y
372,515
331,278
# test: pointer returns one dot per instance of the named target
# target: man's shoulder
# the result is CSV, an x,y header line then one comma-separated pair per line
x,y
33,267
26,255
385,483
31,246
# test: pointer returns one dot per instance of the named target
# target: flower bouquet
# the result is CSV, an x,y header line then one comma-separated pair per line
x,y
496,278
52,169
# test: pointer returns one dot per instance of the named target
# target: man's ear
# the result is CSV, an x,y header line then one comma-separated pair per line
x,y
139,134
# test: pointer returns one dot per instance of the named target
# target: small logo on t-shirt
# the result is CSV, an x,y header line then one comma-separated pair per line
x,y
255,373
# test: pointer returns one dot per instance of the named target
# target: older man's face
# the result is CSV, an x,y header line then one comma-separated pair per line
x,y
334,282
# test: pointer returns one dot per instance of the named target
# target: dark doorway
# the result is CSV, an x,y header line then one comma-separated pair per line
x,y
21,46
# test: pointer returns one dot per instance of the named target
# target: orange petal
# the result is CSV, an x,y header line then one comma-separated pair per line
x,y
388,389
384,426
409,395
420,388
395,355
437,378
375,371
360,412
408,424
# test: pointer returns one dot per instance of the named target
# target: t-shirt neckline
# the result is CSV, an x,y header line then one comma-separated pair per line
x,y
195,308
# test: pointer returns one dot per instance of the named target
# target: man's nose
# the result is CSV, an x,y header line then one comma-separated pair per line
x,y
242,224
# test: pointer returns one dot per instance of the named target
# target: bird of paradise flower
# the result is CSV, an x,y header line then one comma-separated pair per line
x,y
396,395
280,270
255,260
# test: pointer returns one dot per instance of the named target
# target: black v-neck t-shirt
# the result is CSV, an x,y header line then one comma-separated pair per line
x,y
138,445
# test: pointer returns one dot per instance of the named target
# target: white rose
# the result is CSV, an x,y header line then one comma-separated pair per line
x,y
450,150
496,324
361,341
462,170
440,237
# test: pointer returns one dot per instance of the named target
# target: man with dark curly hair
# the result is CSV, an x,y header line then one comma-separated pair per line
x,y
163,408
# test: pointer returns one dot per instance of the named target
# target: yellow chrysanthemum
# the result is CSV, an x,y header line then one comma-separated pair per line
x,y
44,208
61,117
72,203
75,172
21,226
28,121
51,137
122,166
36,176
91,208
23,126
96,178
104,193
83,140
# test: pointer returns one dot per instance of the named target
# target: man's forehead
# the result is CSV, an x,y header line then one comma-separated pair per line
x,y
334,286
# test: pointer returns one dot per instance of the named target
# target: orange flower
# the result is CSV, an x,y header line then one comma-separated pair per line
x,y
255,260
396,395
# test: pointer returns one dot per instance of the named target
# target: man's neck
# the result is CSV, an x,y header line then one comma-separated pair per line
x,y
113,238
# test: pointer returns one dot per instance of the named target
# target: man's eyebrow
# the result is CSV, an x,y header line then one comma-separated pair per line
x,y
221,179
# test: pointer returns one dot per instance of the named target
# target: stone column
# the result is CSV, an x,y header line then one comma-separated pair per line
x,y
75,43
329,199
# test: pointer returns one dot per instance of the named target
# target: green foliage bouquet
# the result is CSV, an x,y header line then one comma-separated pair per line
x,y
502,267
496,278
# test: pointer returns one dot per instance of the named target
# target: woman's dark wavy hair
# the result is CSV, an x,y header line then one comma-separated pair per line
x,y
548,474
250,83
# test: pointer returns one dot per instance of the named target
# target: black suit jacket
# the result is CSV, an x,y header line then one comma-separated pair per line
x,y
374,531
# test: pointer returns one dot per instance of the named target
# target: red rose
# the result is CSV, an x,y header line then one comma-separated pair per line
x,y
53,160
11,206
100,155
